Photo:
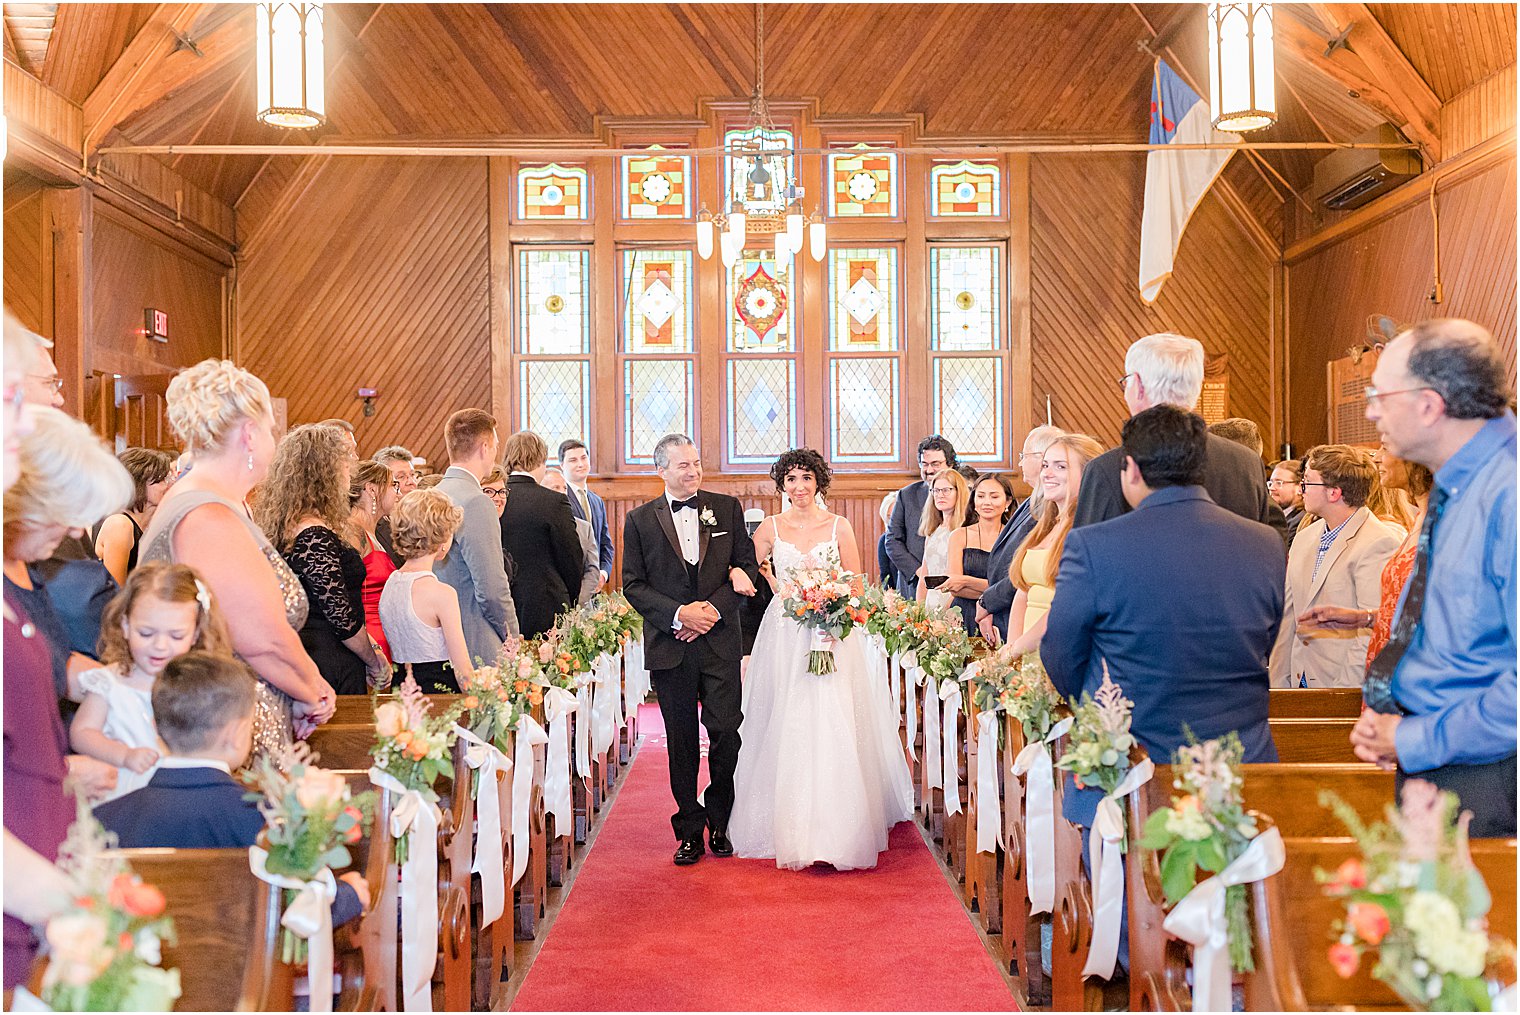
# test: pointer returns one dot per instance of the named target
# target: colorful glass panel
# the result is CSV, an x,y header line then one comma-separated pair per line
x,y
655,185
863,419
552,192
762,310
657,309
736,169
968,405
762,409
657,401
966,188
554,301
863,295
965,289
863,181
555,399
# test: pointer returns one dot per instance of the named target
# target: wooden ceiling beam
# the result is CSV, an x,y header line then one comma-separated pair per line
x,y
1359,55
141,74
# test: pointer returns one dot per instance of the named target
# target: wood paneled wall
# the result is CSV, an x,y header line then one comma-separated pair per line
x,y
371,273
24,239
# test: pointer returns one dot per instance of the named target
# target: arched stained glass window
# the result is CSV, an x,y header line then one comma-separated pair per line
x,y
965,189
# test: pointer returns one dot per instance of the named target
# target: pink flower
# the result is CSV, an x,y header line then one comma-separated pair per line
x,y
1369,921
320,789
525,668
545,652
1344,959
78,943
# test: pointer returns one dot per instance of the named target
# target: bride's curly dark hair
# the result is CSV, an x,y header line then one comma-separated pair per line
x,y
801,458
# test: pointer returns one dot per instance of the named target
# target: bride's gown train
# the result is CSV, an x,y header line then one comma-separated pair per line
x,y
821,775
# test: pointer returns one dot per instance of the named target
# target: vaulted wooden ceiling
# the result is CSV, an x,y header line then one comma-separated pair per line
x,y
456,71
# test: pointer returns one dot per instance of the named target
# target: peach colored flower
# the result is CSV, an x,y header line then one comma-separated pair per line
x,y
545,652
390,719
1369,921
319,788
145,901
1344,959
78,943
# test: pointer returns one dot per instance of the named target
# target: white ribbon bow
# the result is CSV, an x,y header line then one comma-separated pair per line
x,y
1107,862
1040,818
558,704
489,863
529,735
1199,919
414,815
308,917
950,742
989,807
914,676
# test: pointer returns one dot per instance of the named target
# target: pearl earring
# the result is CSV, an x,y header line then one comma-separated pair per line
x,y
250,461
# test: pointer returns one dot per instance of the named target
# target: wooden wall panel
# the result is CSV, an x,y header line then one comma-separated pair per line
x,y
1085,302
375,274
1386,269
1485,110
25,293
134,266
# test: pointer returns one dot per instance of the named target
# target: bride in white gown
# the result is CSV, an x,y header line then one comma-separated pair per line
x,y
821,775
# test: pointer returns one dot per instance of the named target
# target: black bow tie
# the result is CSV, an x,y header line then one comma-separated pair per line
x,y
689,504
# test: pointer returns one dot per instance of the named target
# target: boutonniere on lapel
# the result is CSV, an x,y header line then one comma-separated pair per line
x,y
707,518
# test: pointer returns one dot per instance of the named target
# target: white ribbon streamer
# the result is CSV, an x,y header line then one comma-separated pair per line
x,y
529,734
489,863
932,751
895,680
414,815
913,676
1034,763
583,726
637,682
309,917
602,688
950,741
558,704
1107,862
617,692
1200,920
989,807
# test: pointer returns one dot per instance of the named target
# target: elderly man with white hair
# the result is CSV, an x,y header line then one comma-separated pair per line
x,y
1167,369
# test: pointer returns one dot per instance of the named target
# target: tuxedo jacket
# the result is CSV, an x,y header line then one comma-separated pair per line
x,y
474,568
197,808
904,545
1232,475
658,581
1351,575
598,520
538,536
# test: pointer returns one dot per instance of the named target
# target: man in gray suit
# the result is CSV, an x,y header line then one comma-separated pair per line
x,y
475,567
591,578
904,544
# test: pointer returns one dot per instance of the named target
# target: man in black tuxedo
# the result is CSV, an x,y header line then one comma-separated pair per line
x,y
680,553
539,538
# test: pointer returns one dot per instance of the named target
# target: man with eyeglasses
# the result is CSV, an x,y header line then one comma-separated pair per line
x,y
1282,487
905,544
1441,694
403,480
43,384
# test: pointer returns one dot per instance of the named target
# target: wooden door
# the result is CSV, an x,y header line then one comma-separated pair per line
x,y
142,419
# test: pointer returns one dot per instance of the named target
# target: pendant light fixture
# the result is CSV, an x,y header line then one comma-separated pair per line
x,y
290,65
1242,94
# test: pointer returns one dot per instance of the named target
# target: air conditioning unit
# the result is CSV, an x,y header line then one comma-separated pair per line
x,y
1352,177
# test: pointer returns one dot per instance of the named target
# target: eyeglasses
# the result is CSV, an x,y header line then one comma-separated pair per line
x,y
1273,484
1373,394
1124,381
1302,486
1029,454
494,492
56,383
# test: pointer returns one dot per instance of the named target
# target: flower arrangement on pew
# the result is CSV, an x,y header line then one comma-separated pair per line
x,y
104,948
1206,828
1419,903
1019,687
1100,738
502,694
413,746
311,818
892,617
945,649
825,599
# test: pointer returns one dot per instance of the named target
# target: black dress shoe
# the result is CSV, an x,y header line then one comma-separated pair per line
x,y
719,844
689,852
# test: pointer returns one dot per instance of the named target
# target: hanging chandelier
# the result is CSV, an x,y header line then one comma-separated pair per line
x,y
763,196
1242,95
291,66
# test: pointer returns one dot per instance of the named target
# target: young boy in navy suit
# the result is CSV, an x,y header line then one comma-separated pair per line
x,y
203,705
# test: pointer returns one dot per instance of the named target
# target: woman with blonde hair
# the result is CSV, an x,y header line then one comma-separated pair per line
x,y
222,413
372,496
422,613
303,509
1038,559
944,511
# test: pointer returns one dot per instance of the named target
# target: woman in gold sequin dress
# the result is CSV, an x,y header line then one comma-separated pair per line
x,y
223,415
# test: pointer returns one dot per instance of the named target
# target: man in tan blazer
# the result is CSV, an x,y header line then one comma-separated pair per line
x,y
1338,558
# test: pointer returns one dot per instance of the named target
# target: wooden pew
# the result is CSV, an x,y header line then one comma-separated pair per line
x,y
1021,929
983,871
1289,795
1072,926
1302,741
1315,703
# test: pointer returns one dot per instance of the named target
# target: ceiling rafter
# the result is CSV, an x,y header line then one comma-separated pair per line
x,y
139,76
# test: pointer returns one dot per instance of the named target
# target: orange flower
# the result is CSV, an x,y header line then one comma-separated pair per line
x,y
1350,874
1370,921
520,686
470,701
353,835
418,750
1344,959
141,900
404,737
536,695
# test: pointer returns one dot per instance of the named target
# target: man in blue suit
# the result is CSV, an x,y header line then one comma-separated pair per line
x,y
1181,597
203,705
575,462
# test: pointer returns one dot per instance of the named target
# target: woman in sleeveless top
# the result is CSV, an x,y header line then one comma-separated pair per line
x,y
822,777
944,512
1034,566
118,537
371,497
419,610
971,545
222,413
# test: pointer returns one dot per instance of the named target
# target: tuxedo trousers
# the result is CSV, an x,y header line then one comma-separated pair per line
x,y
705,679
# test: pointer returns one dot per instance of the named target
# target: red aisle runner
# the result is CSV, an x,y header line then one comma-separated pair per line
x,y
640,934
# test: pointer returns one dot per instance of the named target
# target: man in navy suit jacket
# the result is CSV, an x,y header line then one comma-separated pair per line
x,y
1181,597
203,706
575,462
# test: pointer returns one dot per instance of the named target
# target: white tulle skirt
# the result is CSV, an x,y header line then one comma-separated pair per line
x,y
821,775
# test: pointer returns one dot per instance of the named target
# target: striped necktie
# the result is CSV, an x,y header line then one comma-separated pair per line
x,y
1377,689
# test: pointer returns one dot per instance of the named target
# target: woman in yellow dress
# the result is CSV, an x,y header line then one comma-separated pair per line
x,y
1038,558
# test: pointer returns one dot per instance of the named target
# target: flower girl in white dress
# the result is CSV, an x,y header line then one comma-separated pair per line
x,y
821,776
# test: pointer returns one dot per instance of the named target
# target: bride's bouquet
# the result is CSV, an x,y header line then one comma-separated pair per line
x,y
825,599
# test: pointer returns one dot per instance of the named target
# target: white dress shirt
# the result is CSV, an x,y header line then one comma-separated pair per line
x,y
687,528
183,761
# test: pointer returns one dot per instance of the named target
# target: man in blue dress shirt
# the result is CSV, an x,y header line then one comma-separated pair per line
x,y
1442,693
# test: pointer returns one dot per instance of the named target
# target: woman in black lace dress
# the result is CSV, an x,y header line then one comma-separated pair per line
x,y
302,507
971,544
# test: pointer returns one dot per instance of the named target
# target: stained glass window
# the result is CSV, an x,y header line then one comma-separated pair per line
x,y
655,186
762,405
863,299
968,405
658,401
965,310
864,405
966,188
736,168
762,309
657,306
554,192
863,181
554,302
555,399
